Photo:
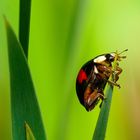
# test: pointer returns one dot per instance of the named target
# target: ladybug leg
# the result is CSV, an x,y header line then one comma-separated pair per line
x,y
104,68
119,70
102,100
102,97
117,73
121,57
105,71
113,83
92,98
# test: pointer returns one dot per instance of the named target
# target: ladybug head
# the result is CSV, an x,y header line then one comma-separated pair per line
x,y
111,57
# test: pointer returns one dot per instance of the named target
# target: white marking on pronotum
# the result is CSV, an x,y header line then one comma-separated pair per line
x,y
100,59
95,69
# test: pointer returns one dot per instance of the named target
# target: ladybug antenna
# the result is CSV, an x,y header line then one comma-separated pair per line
x,y
123,51
119,57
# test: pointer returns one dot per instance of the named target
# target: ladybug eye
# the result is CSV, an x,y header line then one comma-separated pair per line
x,y
113,54
110,57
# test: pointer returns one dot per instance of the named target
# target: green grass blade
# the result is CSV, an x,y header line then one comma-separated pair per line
x,y
24,105
24,24
100,130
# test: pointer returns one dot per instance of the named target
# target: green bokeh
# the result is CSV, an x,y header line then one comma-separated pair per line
x,y
63,36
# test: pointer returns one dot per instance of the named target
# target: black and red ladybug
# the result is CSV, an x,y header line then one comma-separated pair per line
x,y
93,77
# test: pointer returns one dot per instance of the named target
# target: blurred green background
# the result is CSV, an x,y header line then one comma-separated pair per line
x,y
63,36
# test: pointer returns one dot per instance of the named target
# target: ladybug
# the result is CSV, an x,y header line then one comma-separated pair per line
x,y
93,77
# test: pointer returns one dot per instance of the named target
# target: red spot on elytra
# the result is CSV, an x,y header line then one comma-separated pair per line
x,y
81,76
